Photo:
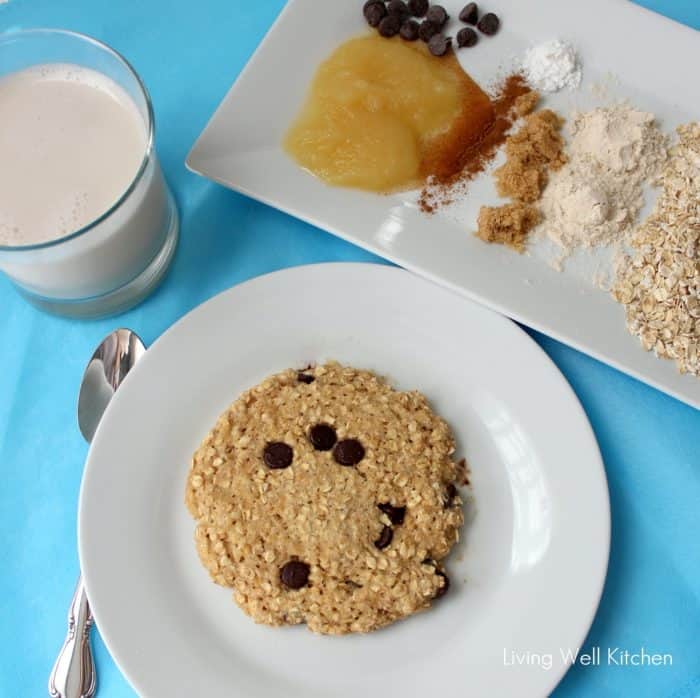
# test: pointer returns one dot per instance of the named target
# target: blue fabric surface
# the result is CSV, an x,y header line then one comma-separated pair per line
x,y
188,53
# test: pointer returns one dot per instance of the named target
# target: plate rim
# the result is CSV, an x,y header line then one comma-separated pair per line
x,y
604,512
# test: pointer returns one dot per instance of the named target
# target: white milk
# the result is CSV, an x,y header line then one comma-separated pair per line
x,y
72,142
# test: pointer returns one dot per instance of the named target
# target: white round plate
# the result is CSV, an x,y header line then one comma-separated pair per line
x,y
527,574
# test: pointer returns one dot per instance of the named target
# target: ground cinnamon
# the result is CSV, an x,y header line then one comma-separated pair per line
x,y
472,144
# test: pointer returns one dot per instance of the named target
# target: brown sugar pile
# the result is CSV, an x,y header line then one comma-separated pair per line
x,y
508,224
536,148
458,160
530,153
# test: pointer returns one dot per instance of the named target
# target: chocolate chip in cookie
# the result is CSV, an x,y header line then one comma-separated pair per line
x,y
385,538
277,455
449,495
295,574
445,584
349,452
322,437
396,514
305,377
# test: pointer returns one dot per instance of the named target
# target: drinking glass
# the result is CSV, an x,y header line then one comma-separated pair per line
x,y
117,259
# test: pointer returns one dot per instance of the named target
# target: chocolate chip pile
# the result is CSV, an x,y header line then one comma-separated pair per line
x,y
326,497
399,17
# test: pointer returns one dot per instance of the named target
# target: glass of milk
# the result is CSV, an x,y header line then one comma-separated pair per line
x,y
88,226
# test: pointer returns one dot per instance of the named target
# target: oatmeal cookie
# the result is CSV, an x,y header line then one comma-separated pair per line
x,y
326,497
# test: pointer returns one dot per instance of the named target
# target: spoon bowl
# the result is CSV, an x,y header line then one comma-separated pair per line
x,y
112,360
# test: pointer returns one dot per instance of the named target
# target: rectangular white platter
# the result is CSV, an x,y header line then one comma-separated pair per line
x,y
650,59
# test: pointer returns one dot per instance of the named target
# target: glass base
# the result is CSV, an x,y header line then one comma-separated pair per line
x,y
124,297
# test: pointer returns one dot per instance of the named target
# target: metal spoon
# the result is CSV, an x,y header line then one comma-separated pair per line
x,y
73,674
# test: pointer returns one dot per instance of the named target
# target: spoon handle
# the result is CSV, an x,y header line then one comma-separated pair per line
x,y
73,674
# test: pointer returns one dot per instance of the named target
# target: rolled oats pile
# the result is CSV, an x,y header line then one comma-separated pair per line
x,y
659,281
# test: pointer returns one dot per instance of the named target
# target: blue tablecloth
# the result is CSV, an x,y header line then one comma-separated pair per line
x,y
188,52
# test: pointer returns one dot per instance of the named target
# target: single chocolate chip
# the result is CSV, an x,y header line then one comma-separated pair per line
x,y
489,24
449,496
369,4
418,7
428,561
278,455
305,378
470,13
397,7
396,514
294,574
374,13
323,437
438,15
385,538
466,37
445,584
427,30
409,30
439,45
389,26
349,452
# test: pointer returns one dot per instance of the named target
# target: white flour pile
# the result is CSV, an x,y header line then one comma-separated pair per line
x,y
596,197
552,66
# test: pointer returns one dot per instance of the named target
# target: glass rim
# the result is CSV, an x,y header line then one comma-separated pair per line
x,y
10,35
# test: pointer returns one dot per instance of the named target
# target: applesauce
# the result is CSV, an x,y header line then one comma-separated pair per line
x,y
383,114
